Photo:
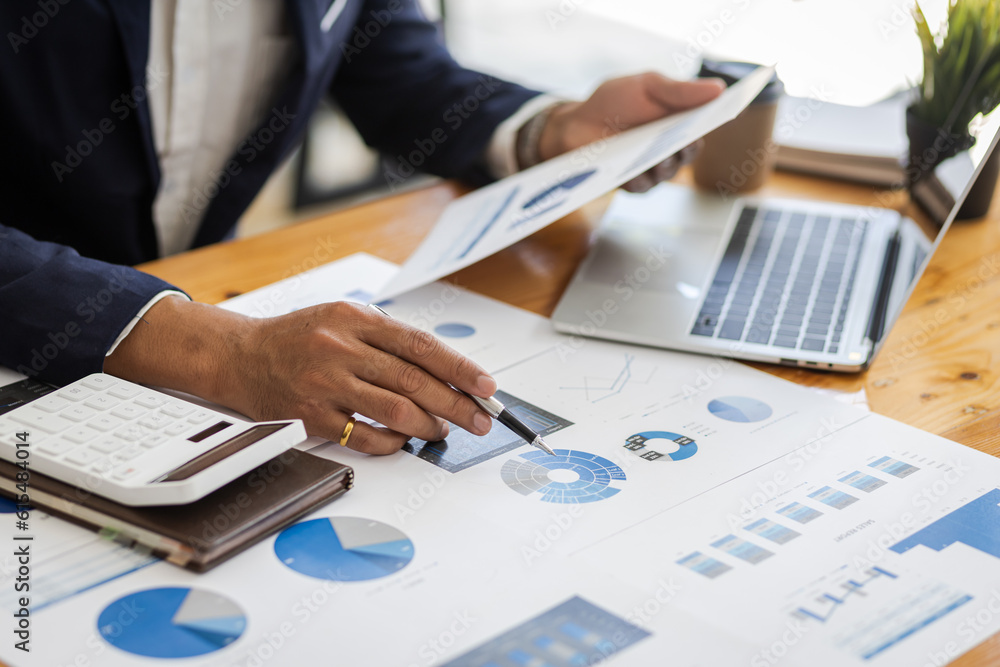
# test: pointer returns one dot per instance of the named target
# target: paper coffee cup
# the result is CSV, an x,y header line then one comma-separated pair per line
x,y
739,156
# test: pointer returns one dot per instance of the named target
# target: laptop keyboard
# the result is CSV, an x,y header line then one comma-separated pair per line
x,y
785,279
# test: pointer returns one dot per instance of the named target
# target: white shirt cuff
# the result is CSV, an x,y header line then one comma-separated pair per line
x,y
152,302
501,154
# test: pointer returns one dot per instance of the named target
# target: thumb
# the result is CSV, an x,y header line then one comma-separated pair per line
x,y
676,96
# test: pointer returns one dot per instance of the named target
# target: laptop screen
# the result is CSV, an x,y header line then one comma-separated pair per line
x,y
943,173
948,167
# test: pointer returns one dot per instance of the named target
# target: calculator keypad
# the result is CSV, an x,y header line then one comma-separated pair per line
x,y
102,426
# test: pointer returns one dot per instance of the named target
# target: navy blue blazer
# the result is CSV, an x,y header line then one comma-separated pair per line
x,y
79,171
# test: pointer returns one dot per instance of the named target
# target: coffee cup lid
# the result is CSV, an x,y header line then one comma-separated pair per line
x,y
732,71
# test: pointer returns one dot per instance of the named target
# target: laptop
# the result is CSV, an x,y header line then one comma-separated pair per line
x,y
796,282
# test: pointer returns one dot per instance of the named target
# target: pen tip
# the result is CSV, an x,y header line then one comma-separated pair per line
x,y
542,446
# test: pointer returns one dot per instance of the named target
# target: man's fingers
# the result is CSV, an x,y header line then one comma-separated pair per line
x,y
370,439
363,437
396,412
640,183
676,96
665,170
424,350
426,391
690,152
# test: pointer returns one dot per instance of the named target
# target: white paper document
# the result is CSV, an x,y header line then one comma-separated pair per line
x,y
695,509
355,278
491,218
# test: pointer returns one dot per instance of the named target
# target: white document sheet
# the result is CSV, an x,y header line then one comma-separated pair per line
x,y
355,278
879,547
66,559
696,509
491,218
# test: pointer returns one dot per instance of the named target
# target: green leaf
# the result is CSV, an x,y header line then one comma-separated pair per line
x,y
961,64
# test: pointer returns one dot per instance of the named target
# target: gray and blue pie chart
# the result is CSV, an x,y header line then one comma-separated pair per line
x,y
171,622
740,409
343,548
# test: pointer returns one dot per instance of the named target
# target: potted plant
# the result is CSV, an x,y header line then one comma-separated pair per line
x,y
961,80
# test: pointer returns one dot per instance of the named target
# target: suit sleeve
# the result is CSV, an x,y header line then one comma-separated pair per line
x,y
409,98
61,312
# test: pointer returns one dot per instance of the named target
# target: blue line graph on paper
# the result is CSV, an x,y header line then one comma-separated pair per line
x,y
77,566
893,620
599,388
830,602
478,228
549,198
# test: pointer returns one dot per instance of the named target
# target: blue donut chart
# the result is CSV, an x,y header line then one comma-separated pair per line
x,y
637,445
529,475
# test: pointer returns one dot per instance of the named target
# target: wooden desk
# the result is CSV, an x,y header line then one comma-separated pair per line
x,y
939,369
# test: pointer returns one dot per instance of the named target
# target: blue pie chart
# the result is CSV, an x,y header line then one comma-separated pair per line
x,y
343,548
454,330
171,622
7,506
740,409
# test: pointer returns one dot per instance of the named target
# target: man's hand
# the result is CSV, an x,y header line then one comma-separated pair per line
x,y
321,365
622,103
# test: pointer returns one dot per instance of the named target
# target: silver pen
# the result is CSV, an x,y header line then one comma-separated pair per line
x,y
499,411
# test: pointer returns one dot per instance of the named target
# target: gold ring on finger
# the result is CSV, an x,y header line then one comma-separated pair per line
x,y
347,432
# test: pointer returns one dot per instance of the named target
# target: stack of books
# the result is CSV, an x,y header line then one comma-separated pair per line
x,y
861,144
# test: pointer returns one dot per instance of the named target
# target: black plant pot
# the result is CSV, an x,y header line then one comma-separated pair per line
x,y
930,146
977,204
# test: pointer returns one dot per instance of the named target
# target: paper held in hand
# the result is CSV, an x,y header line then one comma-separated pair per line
x,y
496,216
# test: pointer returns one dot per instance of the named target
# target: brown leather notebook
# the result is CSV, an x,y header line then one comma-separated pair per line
x,y
204,533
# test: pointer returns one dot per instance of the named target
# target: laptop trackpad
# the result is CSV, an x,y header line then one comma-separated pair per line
x,y
674,260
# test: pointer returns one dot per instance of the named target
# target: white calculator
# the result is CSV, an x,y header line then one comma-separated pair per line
x,y
135,445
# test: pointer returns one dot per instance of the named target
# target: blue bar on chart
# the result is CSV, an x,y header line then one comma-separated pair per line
x,y
862,482
893,467
704,565
973,524
770,530
748,551
836,499
799,512
573,633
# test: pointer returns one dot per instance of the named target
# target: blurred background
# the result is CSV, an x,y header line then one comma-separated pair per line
x,y
851,52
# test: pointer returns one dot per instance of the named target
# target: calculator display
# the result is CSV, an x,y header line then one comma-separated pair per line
x,y
210,431
238,442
